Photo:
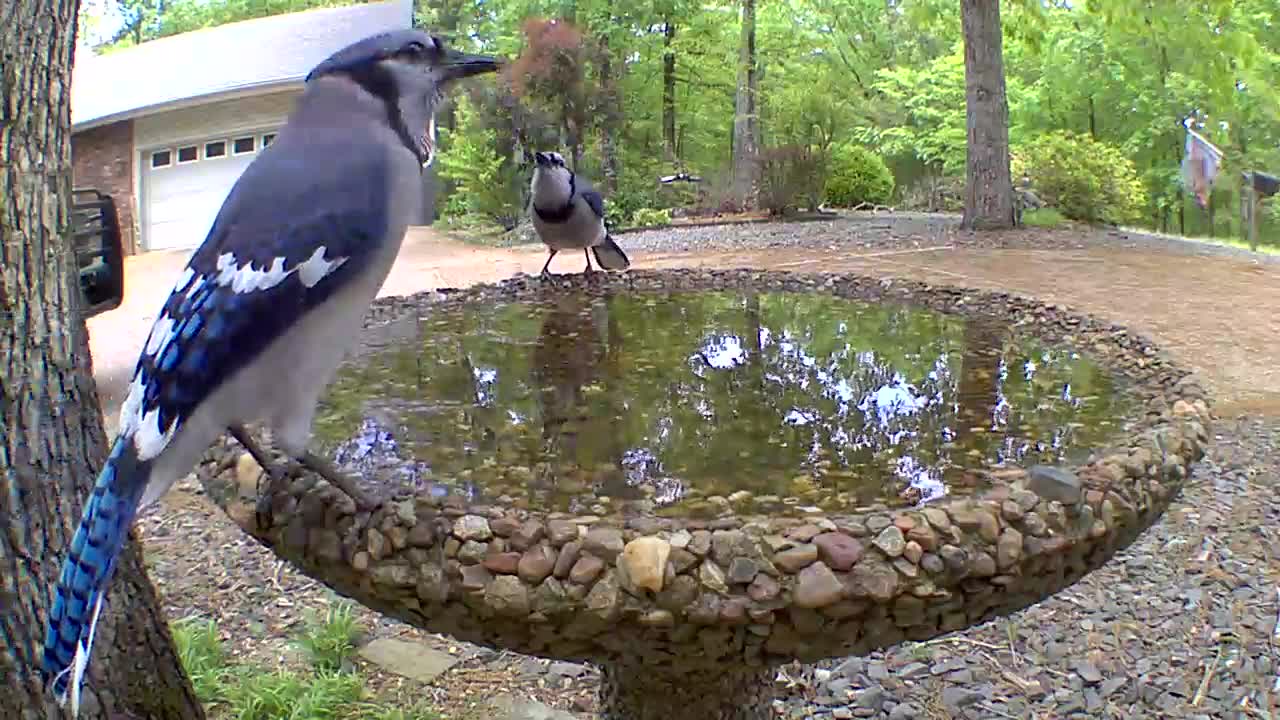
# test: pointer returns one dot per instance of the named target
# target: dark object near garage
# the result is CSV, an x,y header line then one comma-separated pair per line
x,y
95,224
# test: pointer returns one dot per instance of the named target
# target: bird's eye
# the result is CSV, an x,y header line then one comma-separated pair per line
x,y
415,48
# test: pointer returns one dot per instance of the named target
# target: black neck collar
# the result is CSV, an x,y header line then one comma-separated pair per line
x,y
377,81
560,214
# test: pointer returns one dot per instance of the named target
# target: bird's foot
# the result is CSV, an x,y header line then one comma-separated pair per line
x,y
339,479
276,477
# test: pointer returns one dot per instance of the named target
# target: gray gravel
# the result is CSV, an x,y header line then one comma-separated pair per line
x,y
907,229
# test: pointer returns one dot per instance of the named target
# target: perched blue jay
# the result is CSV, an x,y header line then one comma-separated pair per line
x,y
568,213
268,305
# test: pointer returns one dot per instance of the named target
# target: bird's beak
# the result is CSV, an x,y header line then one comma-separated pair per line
x,y
461,65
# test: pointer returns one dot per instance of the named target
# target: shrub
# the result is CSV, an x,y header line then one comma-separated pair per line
x,y
857,176
649,217
791,176
1082,178
483,183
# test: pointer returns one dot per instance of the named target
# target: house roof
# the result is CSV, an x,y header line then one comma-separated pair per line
x,y
214,63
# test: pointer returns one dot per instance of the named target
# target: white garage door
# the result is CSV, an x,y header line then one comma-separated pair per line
x,y
184,186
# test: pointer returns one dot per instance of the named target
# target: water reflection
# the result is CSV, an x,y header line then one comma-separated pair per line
x,y
674,399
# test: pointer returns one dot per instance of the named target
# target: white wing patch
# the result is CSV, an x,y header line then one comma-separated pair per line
x,y
315,268
149,438
247,278
161,333
184,281
132,406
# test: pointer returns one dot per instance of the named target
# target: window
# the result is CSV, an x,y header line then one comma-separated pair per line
x,y
215,149
266,139
161,158
187,154
243,146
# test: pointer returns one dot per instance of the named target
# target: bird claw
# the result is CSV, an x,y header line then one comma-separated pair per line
x,y
335,477
277,480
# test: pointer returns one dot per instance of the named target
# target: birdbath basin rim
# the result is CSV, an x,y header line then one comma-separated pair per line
x,y
750,590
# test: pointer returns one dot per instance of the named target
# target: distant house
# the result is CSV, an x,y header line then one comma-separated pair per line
x,y
167,127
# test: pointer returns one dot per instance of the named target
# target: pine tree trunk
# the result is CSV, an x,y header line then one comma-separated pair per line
x,y
988,201
669,89
612,125
745,138
51,437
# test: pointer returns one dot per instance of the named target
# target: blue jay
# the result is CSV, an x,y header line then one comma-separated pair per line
x,y
268,305
568,213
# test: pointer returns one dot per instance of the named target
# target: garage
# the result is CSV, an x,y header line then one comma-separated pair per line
x,y
184,185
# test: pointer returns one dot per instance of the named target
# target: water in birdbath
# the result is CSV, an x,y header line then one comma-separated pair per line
x,y
686,402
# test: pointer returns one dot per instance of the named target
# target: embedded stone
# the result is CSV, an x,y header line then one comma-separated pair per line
x,y
742,571
988,527
682,560
504,526
924,536
507,596
700,543
472,552
605,542
472,527
804,533
1009,549
891,541
566,560
837,550
710,575
502,563
937,517
527,535
817,586
873,578
680,539
764,588
604,601
561,532
913,552
798,557
982,565
587,568
475,577
645,560
536,564
1054,483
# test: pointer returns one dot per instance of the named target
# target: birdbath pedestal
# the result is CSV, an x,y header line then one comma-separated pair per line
x,y
686,600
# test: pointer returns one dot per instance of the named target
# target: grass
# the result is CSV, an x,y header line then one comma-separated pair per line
x,y
329,689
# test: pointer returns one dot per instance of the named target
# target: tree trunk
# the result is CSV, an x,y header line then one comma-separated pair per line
x,y
745,138
53,442
988,201
645,692
612,125
669,89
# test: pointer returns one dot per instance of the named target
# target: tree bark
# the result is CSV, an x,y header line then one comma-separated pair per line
x,y
645,692
989,188
669,89
612,125
52,440
745,165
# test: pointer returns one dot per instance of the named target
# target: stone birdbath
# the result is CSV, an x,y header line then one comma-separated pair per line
x,y
690,477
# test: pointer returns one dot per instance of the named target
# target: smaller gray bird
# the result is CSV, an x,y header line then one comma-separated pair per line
x,y
568,213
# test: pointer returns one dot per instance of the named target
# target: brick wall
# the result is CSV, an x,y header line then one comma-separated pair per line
x,y
102,159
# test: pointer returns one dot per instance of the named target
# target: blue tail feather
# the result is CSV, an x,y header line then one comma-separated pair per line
x,y
88,567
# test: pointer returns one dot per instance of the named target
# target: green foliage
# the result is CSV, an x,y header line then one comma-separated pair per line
x,y
887,76
482,181
1043,217
651,217
329,641
1084,179
858,175
248,692
201,654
